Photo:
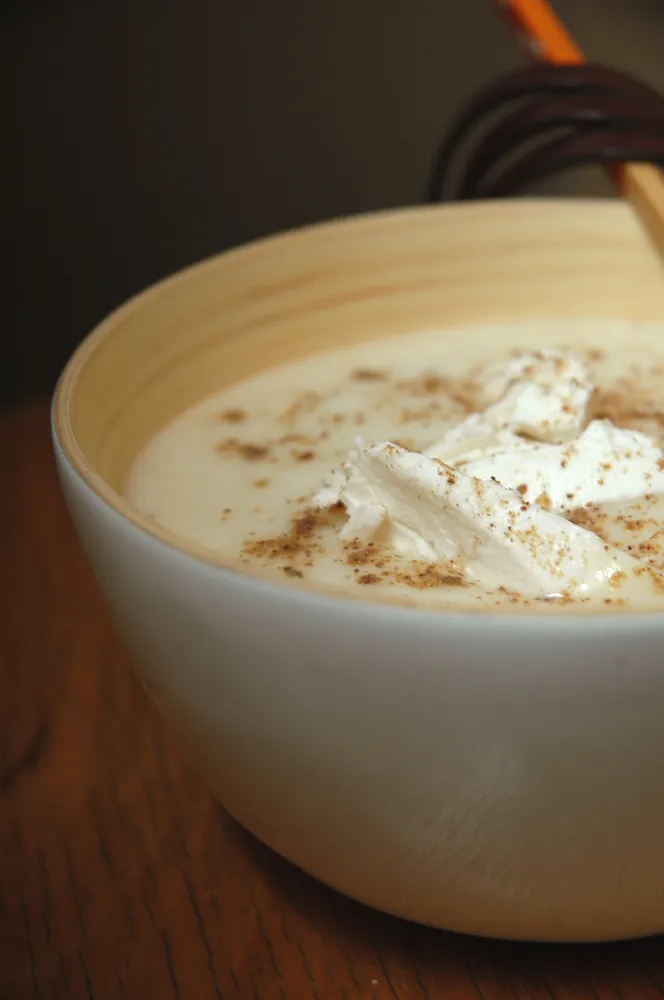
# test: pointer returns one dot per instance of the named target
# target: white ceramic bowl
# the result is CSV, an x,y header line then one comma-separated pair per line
x,y
498,774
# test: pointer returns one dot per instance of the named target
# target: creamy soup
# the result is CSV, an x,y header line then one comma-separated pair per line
x,y
237,473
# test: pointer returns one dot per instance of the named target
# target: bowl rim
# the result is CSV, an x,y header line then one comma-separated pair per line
x,y
66,443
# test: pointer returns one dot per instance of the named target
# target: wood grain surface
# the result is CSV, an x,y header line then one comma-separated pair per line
x,y
120,877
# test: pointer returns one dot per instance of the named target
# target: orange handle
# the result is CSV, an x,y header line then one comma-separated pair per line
x,y
541,30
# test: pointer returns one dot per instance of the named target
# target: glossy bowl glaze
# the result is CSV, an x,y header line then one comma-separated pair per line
x,y
497,774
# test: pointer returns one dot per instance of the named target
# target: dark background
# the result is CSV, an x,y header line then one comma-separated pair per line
x,y
146,134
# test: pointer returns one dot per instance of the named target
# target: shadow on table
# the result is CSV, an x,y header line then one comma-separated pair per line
x,y
343,920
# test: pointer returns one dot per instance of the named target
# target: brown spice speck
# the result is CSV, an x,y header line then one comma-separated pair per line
x,y
421,415
303,456
368,375
433,383
252,452
429,576
243,449
306,403
292,572
233,416
307,523
459,392
260,484
625,407
298,439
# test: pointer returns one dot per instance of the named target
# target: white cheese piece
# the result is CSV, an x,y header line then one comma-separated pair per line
x,y
545,395
434,512
604,465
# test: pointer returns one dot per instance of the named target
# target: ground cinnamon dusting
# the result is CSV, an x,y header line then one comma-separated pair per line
x,y
359,553
292,572
428,576
298,439
305,403
462,392
513,595
368,375
544,501
232,416
583,517
303,540
409,416
626,405
242,449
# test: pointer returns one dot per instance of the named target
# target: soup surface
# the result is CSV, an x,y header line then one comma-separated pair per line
x,y
237,473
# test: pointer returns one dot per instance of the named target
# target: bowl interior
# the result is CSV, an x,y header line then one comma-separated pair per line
x,y
334,285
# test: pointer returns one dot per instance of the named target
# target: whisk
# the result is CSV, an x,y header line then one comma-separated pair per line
x,y
554,115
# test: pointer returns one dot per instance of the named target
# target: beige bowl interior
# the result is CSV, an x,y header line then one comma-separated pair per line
x,y
333,285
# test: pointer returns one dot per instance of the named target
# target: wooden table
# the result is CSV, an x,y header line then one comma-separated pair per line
x,y
120,877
